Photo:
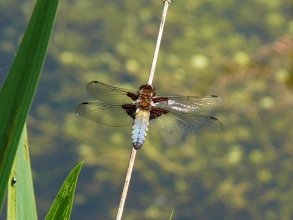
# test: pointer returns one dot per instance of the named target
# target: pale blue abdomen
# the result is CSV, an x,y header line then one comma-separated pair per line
x,y
140,128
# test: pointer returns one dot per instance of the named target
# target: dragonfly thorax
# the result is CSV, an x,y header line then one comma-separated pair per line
x,y
145,95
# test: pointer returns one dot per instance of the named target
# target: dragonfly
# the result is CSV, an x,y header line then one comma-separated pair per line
x,y
144,108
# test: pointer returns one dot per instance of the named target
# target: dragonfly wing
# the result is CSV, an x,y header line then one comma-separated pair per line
x,y
180,122
106,114
110,94
188,103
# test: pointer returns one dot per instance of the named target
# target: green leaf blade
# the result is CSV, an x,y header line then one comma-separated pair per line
x,y
21,200
62,206
19,87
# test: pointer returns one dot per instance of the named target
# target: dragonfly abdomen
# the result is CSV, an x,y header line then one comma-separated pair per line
x,y
140,128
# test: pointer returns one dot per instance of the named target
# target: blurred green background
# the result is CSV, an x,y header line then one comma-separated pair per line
x,y
241,51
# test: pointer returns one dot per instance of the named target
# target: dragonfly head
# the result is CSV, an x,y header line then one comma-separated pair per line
x,y
147,88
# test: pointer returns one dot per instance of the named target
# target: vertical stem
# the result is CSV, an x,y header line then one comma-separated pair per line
x,y
153,67
133,153
126,184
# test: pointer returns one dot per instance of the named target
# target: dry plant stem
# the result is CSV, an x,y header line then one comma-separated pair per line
x,y
133,153
153,67
126,184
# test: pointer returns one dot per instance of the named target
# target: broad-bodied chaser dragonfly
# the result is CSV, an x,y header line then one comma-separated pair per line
x,y
176,114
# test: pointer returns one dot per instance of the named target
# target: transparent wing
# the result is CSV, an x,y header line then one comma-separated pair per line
x,y
180,122
103,113
110,94
188,103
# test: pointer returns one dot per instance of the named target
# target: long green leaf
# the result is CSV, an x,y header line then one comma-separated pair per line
x,y
61,208
19,87
21,201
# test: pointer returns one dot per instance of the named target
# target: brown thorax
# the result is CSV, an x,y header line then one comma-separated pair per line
x,y
146,93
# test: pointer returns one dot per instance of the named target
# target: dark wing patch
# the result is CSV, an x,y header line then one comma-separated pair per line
x,y
157,112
